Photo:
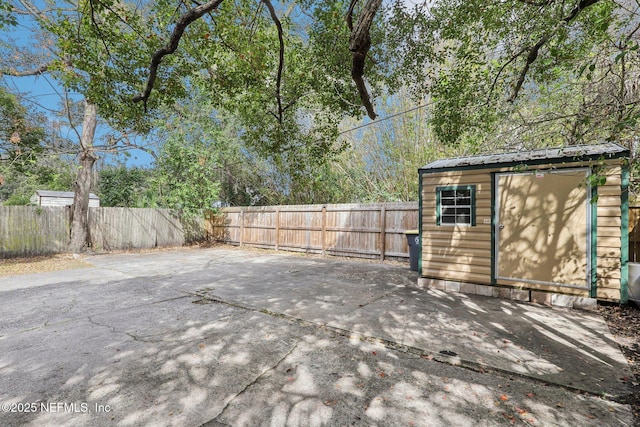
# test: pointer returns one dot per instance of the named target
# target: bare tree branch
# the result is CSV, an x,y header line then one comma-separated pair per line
x,y
349,17
537,3
531,57
276,21
34,72
501,70
535,49
124,143
34,11
359,45
183,22
94,21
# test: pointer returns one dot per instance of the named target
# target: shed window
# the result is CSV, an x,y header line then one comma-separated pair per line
x,y
456,205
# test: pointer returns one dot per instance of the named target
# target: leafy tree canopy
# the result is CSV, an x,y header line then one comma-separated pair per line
x,y
124,187
282,70
525,70
521,71
21,133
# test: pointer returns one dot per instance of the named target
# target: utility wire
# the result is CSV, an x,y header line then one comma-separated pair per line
x,y
385,118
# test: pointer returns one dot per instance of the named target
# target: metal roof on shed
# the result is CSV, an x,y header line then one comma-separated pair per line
x,y
573,152
63,194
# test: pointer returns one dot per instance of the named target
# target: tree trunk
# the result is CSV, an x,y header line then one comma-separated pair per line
x,y
80,237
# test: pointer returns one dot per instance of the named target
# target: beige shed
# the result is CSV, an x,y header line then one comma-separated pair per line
x,y
546,225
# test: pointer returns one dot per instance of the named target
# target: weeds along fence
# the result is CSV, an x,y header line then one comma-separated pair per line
x,y
374,230
32,230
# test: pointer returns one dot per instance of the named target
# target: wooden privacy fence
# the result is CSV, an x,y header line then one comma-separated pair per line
x,y
634,234
128,228
355,230
33,230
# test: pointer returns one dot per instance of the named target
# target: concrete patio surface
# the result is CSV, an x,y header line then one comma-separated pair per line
x,y
224,336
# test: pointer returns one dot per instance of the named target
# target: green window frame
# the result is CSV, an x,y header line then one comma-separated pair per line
x,y
456,205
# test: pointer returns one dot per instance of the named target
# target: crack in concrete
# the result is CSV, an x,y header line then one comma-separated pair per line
x,y
215,422
102,325
139,339
429,354
114,330
47,323
74,302
171,299
386,294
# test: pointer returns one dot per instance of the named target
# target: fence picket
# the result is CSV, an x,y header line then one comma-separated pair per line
x,y
34,230
373,230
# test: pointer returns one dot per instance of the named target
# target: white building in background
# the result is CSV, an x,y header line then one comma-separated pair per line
x,y
60,198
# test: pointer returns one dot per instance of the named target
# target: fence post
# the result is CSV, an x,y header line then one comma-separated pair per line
x,y
307,233
277,228
241,226
323,236
383,232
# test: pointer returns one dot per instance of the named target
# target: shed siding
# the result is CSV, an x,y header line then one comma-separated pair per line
x,y
461,253
464,253
609,235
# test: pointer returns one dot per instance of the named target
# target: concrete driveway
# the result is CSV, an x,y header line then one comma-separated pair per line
x,y
224,336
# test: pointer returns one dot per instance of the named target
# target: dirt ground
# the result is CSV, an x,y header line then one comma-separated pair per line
x,y
623,321
9,267
624,324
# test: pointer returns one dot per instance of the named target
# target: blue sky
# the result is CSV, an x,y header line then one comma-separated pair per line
x,y
44,94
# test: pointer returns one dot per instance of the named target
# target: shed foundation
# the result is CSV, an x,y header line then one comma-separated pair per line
x,y
514,294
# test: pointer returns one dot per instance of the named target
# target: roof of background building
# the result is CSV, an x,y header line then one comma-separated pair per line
x,y
62,194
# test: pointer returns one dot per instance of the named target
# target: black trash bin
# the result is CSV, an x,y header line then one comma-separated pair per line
x,y
413,239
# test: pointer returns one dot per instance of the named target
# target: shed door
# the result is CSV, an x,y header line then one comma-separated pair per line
x,y
543,223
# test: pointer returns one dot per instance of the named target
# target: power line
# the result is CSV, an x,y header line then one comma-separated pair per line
x,y
385,118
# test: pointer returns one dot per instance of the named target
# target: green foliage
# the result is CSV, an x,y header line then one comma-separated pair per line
x,y
47,174
470,56
22,136
7,16
102,51
295,121
17,200
382,161
287,110
186,176
187,170
236,127
28,161
125,187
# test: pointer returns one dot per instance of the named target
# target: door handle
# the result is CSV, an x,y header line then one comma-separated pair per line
x,y
501,226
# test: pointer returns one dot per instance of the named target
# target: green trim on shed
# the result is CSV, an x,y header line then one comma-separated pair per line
x,y
472,194
593,241
420,223
624,235
527,162
494,226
